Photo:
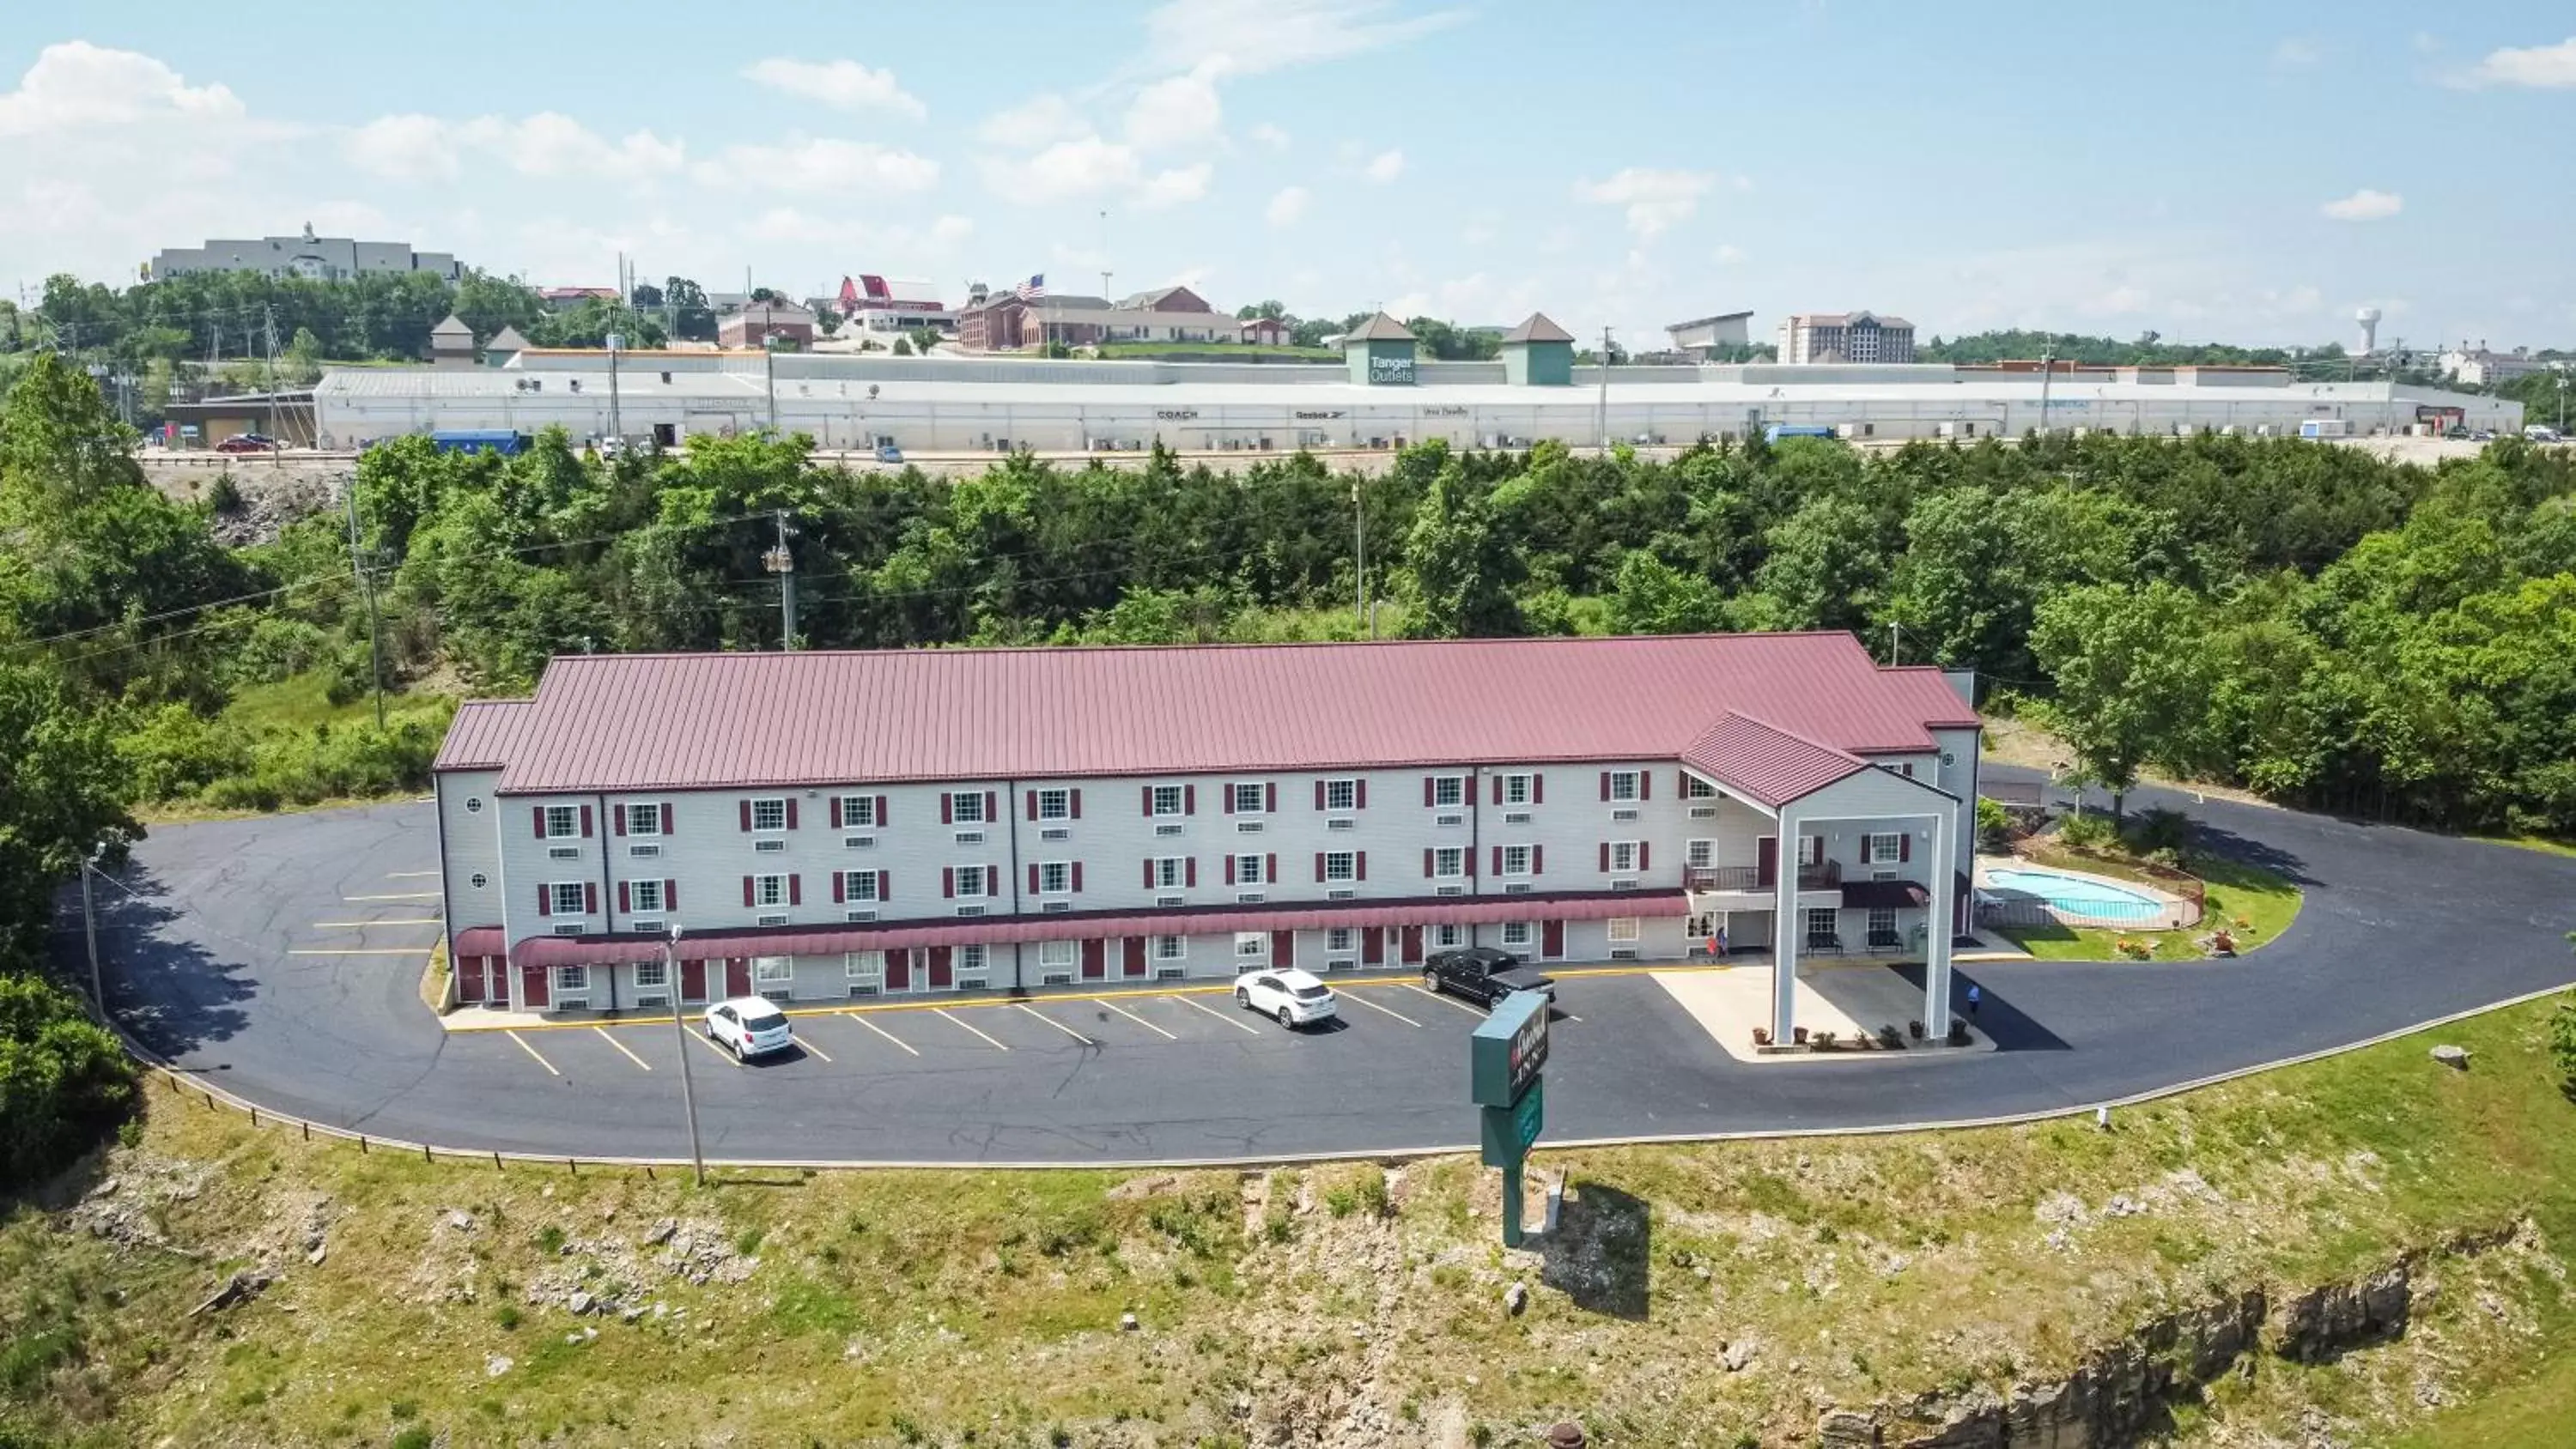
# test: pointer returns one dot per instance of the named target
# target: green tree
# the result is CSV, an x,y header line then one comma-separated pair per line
x,y
2128,689
1455,579
63,1080
1653,597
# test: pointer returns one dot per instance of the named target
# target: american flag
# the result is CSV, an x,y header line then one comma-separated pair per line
x,y
1032,289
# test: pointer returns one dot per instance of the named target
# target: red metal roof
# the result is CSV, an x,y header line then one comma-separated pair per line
x,y
831,940
484,734
634,722
1766,763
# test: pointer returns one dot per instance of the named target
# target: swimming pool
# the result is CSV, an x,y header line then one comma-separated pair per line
x,y
2076,895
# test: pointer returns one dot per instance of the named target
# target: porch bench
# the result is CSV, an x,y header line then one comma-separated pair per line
x,y
1827,944
1886,941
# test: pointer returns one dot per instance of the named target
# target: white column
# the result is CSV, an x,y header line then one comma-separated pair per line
x,y
1784,931
1936,940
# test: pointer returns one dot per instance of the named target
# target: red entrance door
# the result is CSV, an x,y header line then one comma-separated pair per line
x,y
1372,946
1133,964
1551,938
1413,945
1766,861
1095,959
737,976
693,981
941,977
469,982
532,987
898,971
1283,949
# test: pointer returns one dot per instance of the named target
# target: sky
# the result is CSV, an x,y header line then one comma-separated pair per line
x,y
2208,170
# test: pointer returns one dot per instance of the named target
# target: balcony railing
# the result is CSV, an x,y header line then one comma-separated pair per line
x,y
1825,877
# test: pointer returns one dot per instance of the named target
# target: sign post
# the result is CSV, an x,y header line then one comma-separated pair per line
x,y
1504,1060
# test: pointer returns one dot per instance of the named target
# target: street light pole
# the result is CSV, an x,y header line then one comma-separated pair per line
x,y
680,1039
1603,407
1359,558
89,928
367,586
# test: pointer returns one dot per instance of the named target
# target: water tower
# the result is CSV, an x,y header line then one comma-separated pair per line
x,y
2368,317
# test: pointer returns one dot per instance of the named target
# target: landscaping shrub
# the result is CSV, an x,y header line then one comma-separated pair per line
x,y
174,752
64,1082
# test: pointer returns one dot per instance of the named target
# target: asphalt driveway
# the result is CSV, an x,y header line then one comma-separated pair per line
x,y
280,957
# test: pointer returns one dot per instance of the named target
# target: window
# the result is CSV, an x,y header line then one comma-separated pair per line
x,y
643,819
1341,865
1055,878
1247,870
572,981
479,880
1517,933
769,814
858,812
1448,935
1171,948
1699,854
966,807
973,880
1448,791
863,966
1820,924
1516,860
1055,804
1056,955
567,897
1250,945
772,970
1623,856
1881,849
1516,789
1448,861
474,805
1167,799
858,885
1624,785
1341,794
1695,788
970,960
562,822
644,896
1248,798
652,975
1170,871
1882,924
1623,929
1338,939
769,890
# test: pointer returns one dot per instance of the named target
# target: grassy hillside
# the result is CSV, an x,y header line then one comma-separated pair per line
x,y
1342,1306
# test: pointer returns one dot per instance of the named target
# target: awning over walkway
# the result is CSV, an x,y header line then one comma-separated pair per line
x,y
833,940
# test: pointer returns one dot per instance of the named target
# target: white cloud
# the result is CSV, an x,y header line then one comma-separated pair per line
x,y
1253,36
1170,188
949,231
1287,205
2365,205
2296,52
409,147
2545,67
820,164
1041,120
1384,167
1180,110
1090,166
414,147
1655,199
1728,254
841,84
77,85
1271,136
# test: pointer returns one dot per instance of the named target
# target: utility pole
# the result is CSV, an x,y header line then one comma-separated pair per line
x,y
276,445
680,1039
89,928
782,562
1359,558
1603,407
1892,643
616,420
1104,254
2047,370
367,586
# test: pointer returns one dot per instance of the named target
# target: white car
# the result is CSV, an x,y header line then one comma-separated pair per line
x,y
749,1026
1295,997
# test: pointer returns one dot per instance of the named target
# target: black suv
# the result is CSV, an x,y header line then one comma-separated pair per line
x,y
1483,974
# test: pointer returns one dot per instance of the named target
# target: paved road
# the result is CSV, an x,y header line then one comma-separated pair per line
x,y
2399,927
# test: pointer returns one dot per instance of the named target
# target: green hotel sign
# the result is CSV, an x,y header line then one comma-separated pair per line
x,y
1505,1059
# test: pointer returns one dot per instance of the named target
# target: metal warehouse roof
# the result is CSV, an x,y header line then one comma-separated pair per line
x,y
706,721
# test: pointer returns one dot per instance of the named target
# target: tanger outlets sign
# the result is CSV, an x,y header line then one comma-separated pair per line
x,y
1391,369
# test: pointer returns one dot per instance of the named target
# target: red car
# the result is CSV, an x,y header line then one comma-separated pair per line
x,y
247,443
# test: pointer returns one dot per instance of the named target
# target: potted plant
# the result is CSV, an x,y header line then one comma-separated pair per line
x,y
1958,1032
1762,1036
1888,1038
1914,1029
1801,1035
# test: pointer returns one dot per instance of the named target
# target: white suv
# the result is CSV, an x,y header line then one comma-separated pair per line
x,y
749,1026
1295,997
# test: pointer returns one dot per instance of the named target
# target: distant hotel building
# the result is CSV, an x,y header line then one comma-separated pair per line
x,y
1808,337
319,258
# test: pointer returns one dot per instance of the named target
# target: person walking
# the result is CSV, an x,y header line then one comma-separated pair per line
x,y
1976,996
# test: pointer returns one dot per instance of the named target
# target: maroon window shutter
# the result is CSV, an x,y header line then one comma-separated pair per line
x,y
1538,860
1319,865
670,895
840,887
1498,789
1149,799
1270,797
836,812
796,889
1359,865
1498,860
1077,802
539,811
791,812
947,808
622,897
1229,868
1681,784
1270,869
1467,860
1227,790
948,881
1189,799
1033,877
1359,792
666,817
1426,862
1645,784
1190,871
1538,789
885,884
881,812
746,813
1426,789
992,807
1319,794
746,890
585,822
1605,784
590,898
1149,872
1605,857
546,899
1032,804
1645,851
1077,877
617,819
1905,846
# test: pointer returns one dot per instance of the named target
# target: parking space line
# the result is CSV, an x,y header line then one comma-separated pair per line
x,y
704,1040
396,896
388,921
621,1046
1233,1021
803,1045
1060,1026
1445,1000
531,1051
881,1031
363,951
943,1011
1358,1000
1140,1021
